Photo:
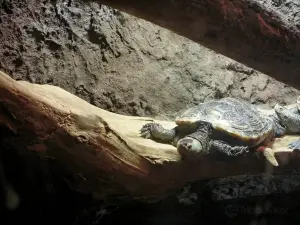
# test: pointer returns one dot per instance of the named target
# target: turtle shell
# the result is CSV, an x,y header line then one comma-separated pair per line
x,y
237,118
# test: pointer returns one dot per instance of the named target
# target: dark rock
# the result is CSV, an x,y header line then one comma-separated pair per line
x,y
113,60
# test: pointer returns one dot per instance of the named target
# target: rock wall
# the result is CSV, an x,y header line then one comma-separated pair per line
x,y
120,63
128,66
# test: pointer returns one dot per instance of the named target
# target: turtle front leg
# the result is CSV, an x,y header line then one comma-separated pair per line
x,y
157,132
227,149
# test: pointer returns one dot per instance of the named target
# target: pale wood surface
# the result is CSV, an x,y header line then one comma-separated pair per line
x,y
102,152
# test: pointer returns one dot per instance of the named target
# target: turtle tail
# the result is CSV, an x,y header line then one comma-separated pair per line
x,y
269,155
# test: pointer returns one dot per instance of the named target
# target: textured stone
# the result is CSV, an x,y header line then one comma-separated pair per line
x,y
120,63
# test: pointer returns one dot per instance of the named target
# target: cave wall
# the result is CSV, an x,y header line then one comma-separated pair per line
x,y
120,63
125,65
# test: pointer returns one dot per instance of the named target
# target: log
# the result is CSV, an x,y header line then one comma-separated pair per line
x,y
101,153
264,35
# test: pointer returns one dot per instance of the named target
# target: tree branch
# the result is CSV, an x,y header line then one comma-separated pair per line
x,y
101,152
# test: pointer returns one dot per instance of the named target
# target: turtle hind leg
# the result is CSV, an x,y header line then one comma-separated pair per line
x,y
157,132
295,145
229,150
223,147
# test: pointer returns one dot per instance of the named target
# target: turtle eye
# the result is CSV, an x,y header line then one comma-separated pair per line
x,y
281,108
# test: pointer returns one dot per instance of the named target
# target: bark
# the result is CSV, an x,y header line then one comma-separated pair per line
x,y
101,152
262,34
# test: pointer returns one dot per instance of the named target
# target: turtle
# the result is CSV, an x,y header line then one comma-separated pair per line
x,y
290,120
226,126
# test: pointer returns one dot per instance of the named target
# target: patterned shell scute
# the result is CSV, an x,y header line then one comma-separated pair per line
x,y
236,117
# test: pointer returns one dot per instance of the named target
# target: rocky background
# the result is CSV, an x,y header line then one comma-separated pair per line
x,y
120,63
127,66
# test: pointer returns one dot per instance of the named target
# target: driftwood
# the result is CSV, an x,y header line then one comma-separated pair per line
x,y
264,35
100,152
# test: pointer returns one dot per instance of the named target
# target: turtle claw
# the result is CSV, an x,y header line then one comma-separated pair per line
x,y
156,131
146,134
147,129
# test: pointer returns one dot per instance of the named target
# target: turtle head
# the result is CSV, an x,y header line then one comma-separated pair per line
x,y
287,118
197,143
189,147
